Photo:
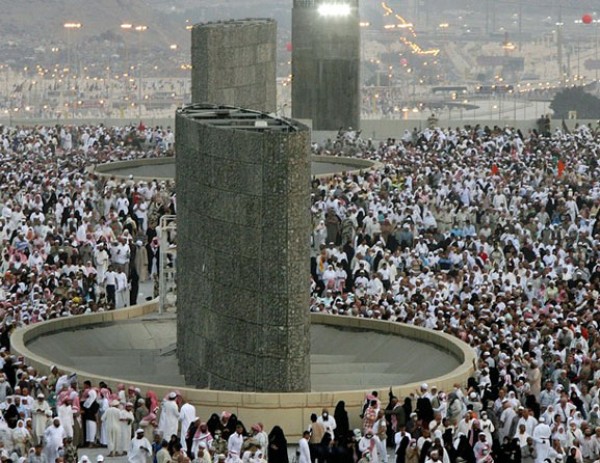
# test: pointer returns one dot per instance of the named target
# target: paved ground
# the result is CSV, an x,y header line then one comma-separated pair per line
x,y
168,170
144,350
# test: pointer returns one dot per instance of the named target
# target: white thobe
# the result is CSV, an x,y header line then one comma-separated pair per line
x,y
304,451
169,419
53,440
541,437
234,443
127,419
111,419
139,450
90,425
506,418
65,414
187,415
39,418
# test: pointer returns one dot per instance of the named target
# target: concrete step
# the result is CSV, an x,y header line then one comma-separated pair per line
x,y
358,379
331,358
342,367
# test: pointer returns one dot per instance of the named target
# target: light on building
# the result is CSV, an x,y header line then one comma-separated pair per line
x,y
334,9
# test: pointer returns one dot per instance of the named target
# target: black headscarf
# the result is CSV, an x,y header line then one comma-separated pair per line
x,y
213,424
277,446
341,419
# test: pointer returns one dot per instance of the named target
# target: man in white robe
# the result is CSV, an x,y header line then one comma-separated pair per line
x,y
39,418
187,415
140,449
541,436
53,439
506,420
90,409
127,418
169,417
111,418
304,449
65,414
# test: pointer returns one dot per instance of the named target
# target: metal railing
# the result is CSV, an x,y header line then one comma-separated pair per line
x,y
167,286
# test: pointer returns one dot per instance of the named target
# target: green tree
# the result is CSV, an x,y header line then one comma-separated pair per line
x,y
575,99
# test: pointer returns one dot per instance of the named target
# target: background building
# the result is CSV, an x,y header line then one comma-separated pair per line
x,y
326,63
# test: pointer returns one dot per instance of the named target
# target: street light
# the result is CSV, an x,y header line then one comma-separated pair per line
x,y
140,28
69,26
136,28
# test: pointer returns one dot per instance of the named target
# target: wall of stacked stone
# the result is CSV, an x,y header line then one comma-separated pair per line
x,y
234,63
326,67
243,272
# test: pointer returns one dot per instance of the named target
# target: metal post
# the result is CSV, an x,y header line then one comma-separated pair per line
x,y
140,93
168,255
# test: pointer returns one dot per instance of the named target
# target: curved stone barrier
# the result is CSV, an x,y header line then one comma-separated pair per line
x,y
112,168
289,410
358,164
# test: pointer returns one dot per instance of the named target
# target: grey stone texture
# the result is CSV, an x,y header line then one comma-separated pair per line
x,y
243,228
325,66
234,63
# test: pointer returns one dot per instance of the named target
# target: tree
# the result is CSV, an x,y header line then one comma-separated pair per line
x,y
576,99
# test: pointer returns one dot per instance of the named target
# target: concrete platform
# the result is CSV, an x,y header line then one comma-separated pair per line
x,y
143,350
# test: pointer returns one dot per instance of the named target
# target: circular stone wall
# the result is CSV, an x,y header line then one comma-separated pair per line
x,y
164,168
290,410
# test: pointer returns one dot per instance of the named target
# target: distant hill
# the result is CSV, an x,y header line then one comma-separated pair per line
x,y
43,20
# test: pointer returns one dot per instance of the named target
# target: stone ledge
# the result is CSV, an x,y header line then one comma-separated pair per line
x,y
108,169
111,168
289,410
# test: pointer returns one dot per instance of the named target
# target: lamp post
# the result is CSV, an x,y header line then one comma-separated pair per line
x,y
69,26
126,27
136,28
141,81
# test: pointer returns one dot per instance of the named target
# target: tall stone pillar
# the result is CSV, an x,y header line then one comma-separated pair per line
x,y
326,63
243,250
234,63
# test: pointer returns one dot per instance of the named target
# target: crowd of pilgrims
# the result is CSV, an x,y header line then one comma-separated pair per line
x,y
489,234
492,235
72,242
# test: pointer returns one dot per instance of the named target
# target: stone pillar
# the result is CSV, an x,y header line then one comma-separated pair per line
x,y
234,63
326,65
243,250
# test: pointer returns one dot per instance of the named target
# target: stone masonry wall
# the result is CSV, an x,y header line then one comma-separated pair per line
x,y
243,280
325,67
234,63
